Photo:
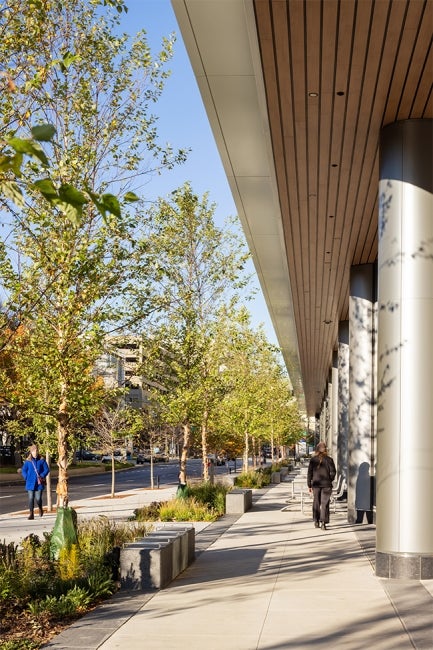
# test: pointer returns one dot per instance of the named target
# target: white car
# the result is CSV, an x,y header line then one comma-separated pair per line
x,y
106,458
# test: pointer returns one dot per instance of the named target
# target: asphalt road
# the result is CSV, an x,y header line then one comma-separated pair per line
x,y
13,497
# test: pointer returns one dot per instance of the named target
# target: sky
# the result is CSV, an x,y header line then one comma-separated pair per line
x,y
183,123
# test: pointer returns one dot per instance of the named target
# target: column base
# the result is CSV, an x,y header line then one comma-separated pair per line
x,y
404,566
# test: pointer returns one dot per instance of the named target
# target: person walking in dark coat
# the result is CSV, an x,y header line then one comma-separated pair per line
x,y
321,473
34,472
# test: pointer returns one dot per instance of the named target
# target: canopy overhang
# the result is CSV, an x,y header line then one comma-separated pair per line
x,y
296,92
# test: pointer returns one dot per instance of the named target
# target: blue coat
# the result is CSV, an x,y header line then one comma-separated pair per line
x,y
29,474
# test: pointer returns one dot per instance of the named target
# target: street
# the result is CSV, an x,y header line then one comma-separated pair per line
x,y
13,497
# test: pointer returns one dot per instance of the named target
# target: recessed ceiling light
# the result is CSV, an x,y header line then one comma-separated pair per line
x,y
340,93
313,94
327,322
331,216
334,165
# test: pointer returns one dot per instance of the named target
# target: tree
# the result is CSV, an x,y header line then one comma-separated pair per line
x,y
197,267
71,255
151,431
241,409
282,424
112,423
256,401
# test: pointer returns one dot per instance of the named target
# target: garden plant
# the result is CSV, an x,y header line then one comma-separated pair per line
x,y
40,596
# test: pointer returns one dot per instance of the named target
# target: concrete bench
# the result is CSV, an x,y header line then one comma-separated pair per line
x,y
238,501
152,562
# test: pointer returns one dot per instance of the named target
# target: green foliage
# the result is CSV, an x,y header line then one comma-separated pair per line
x,y
197,268
8,555
69,565
252,479
75,239
7,583
31,581
98,536
21,644
99,585
148,513
203,502
186,510
211,495
74,601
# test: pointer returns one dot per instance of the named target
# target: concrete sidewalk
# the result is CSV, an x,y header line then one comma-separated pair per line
x,y
266,580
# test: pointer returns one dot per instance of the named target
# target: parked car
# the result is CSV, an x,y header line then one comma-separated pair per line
x,y
118,455
160,458
216,459
85,455
144,457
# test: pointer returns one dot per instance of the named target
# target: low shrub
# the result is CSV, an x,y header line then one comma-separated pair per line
x,y
187,510
148,513
201,502
214,496
253,479
178,509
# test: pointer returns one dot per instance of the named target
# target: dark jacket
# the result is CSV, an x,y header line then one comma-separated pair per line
x,y
29,469
321,471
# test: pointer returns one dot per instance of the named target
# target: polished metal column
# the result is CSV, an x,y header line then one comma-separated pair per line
x,y
317,430
361,393
404,547
343,397
334,407
321,422
329,414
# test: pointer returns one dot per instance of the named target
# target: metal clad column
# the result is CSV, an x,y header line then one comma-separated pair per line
x,y
361,393
334,408
343,397
404,547
328,438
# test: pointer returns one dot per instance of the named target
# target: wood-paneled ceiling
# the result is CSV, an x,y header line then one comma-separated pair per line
x,y
296,92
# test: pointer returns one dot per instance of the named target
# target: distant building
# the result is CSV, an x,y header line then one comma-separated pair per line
x,y
120,367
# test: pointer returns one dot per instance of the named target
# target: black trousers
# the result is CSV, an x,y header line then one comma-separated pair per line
x,y
321,498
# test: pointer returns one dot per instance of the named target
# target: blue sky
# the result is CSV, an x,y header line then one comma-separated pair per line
x,y
183,123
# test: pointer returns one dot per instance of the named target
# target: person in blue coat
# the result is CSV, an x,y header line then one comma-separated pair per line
x,y
34,472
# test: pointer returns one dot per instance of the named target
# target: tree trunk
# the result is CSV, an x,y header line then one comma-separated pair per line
x,y
152,483
49,499
113,475
204,447
272,445
254,453
184,456
246,453
62,449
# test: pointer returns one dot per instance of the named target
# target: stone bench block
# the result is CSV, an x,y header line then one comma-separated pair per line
x,y
187,540
238,501
152,562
